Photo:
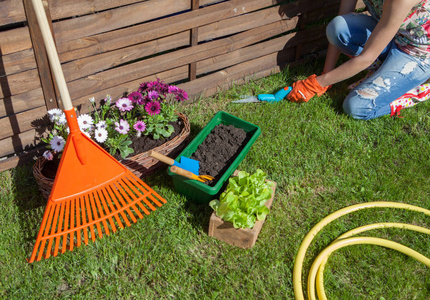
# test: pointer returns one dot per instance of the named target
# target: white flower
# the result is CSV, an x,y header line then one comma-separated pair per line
x,y
57,143
101,135
53,113
92,99
85,121
48,155
101,125
61,120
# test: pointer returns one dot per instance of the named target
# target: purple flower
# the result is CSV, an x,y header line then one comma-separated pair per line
x,y
122,127
153,95
48,155
173,89
181,95
124,104
136,97
152,108
158,86
143,87
140,126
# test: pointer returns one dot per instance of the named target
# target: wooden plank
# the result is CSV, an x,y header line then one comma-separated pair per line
x,y
19,83
11,11
84,47
17,143
171,60
20,159
21,102
43,65
61,9
248,53
209,2
14,40
240,23
17,62
80,68
20,122
90,65
121,17
194,40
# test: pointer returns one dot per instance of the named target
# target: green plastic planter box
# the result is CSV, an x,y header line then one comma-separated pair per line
x,y
201,193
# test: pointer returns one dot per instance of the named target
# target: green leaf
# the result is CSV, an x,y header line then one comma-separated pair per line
x,y
243,201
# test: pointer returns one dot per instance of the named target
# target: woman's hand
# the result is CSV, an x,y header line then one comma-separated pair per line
x,y
303,90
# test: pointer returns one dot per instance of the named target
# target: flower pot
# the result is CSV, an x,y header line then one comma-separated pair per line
x,y
202,193
239,237
141,164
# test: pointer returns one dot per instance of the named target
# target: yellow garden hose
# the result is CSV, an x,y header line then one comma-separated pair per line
x,y
343,241
320,275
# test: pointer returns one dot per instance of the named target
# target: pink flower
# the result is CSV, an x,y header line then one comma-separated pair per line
x,y
181,95
124,104
140,126
122,127
173,89
136,97
152,108
48,155
153,95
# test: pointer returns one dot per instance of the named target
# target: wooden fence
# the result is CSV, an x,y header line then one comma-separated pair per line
x,y
109,47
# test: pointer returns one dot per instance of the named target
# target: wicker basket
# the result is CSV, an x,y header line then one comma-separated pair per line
x,y
141,164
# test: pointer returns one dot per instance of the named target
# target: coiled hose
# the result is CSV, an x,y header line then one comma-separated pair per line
x,y
315,278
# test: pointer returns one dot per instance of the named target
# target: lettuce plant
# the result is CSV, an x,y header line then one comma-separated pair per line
x,y
243,201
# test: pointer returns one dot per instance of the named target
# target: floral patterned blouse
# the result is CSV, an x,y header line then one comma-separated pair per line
x,y
413,36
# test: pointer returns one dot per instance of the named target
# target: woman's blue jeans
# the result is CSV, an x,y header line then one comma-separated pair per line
x,y
399,73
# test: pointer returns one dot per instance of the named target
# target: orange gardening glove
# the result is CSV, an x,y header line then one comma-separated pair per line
x,y
303,90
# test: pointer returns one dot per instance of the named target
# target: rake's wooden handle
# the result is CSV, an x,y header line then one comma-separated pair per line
x,y
182,172
54,61
51,50
161,157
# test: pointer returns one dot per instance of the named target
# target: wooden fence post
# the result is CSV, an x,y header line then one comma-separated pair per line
x,y
46,78
194,40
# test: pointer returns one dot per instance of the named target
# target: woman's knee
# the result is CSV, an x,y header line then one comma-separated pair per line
x,y
336,32
356,109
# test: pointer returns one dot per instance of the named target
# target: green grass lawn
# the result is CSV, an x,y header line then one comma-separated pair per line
x,y
322,161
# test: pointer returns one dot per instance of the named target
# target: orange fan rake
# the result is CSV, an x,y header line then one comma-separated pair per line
x,y
76,219
92,191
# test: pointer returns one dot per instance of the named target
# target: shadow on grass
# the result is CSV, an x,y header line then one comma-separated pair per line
x,y
30,203
197,214
200,215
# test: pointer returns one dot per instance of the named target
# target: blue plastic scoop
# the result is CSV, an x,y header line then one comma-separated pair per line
x,y
278,96
185,162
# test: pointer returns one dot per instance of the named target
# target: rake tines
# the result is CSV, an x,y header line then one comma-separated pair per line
x,y
73,221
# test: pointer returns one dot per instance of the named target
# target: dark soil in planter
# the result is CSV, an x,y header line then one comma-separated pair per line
x,y
146,142
219,149
139,145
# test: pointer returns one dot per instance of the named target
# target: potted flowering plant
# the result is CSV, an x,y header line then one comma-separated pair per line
x,y
119,126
